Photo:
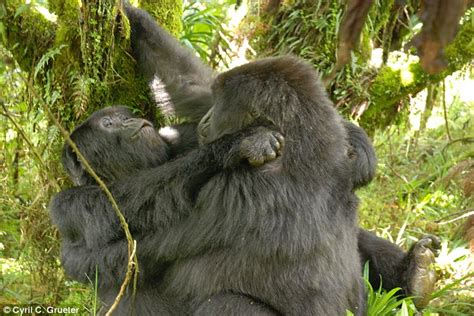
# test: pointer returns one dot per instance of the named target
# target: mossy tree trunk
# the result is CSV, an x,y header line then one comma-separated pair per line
x,y
79,61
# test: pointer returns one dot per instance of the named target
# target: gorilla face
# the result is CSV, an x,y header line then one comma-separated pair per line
x,y
116,144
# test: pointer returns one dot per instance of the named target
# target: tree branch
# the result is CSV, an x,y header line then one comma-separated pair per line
x,y
390,86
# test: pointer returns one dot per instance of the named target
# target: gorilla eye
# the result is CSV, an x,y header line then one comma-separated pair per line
x,y
106,122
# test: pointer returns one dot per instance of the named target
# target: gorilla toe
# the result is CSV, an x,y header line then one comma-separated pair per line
x,y
421,277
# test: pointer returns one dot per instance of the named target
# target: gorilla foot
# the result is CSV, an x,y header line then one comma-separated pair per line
x,y
260,148
421,277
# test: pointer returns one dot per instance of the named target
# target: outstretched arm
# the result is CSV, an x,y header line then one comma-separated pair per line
x,y
170,68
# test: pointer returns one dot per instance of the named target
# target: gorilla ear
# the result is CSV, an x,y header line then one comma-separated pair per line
x,y
73,166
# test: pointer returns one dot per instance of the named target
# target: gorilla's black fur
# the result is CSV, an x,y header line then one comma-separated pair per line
x,y
284,234
362,154
387,262
153,198
181,82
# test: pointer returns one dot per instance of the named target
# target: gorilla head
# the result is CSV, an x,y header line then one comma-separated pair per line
x,y
284,93
115,143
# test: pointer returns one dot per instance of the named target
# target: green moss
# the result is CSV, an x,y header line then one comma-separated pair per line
x,y
383,93
166,12
461,50
68,28
66,10
389,87
129,88
28,34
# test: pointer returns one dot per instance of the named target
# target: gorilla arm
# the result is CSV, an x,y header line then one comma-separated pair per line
x,y
173,67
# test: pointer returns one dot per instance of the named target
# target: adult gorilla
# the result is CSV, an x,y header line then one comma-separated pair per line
x,y
127,153
186,83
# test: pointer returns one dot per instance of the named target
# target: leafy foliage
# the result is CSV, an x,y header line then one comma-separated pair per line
x,y
381,303
418,191
311,29
204,32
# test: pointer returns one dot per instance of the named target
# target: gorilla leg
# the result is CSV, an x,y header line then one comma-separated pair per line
x,y
391,266
147,301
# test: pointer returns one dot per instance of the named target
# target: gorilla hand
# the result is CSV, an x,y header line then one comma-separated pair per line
x,y
259,146
262,147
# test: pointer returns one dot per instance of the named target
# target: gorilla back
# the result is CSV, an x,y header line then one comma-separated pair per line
x,y
285,233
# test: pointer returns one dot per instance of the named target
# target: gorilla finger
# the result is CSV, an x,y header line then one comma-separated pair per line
x,y
270,154
276,146
435,242
274,143
281,140
256,161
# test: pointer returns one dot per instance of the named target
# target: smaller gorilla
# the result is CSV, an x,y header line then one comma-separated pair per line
x,y
128,154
